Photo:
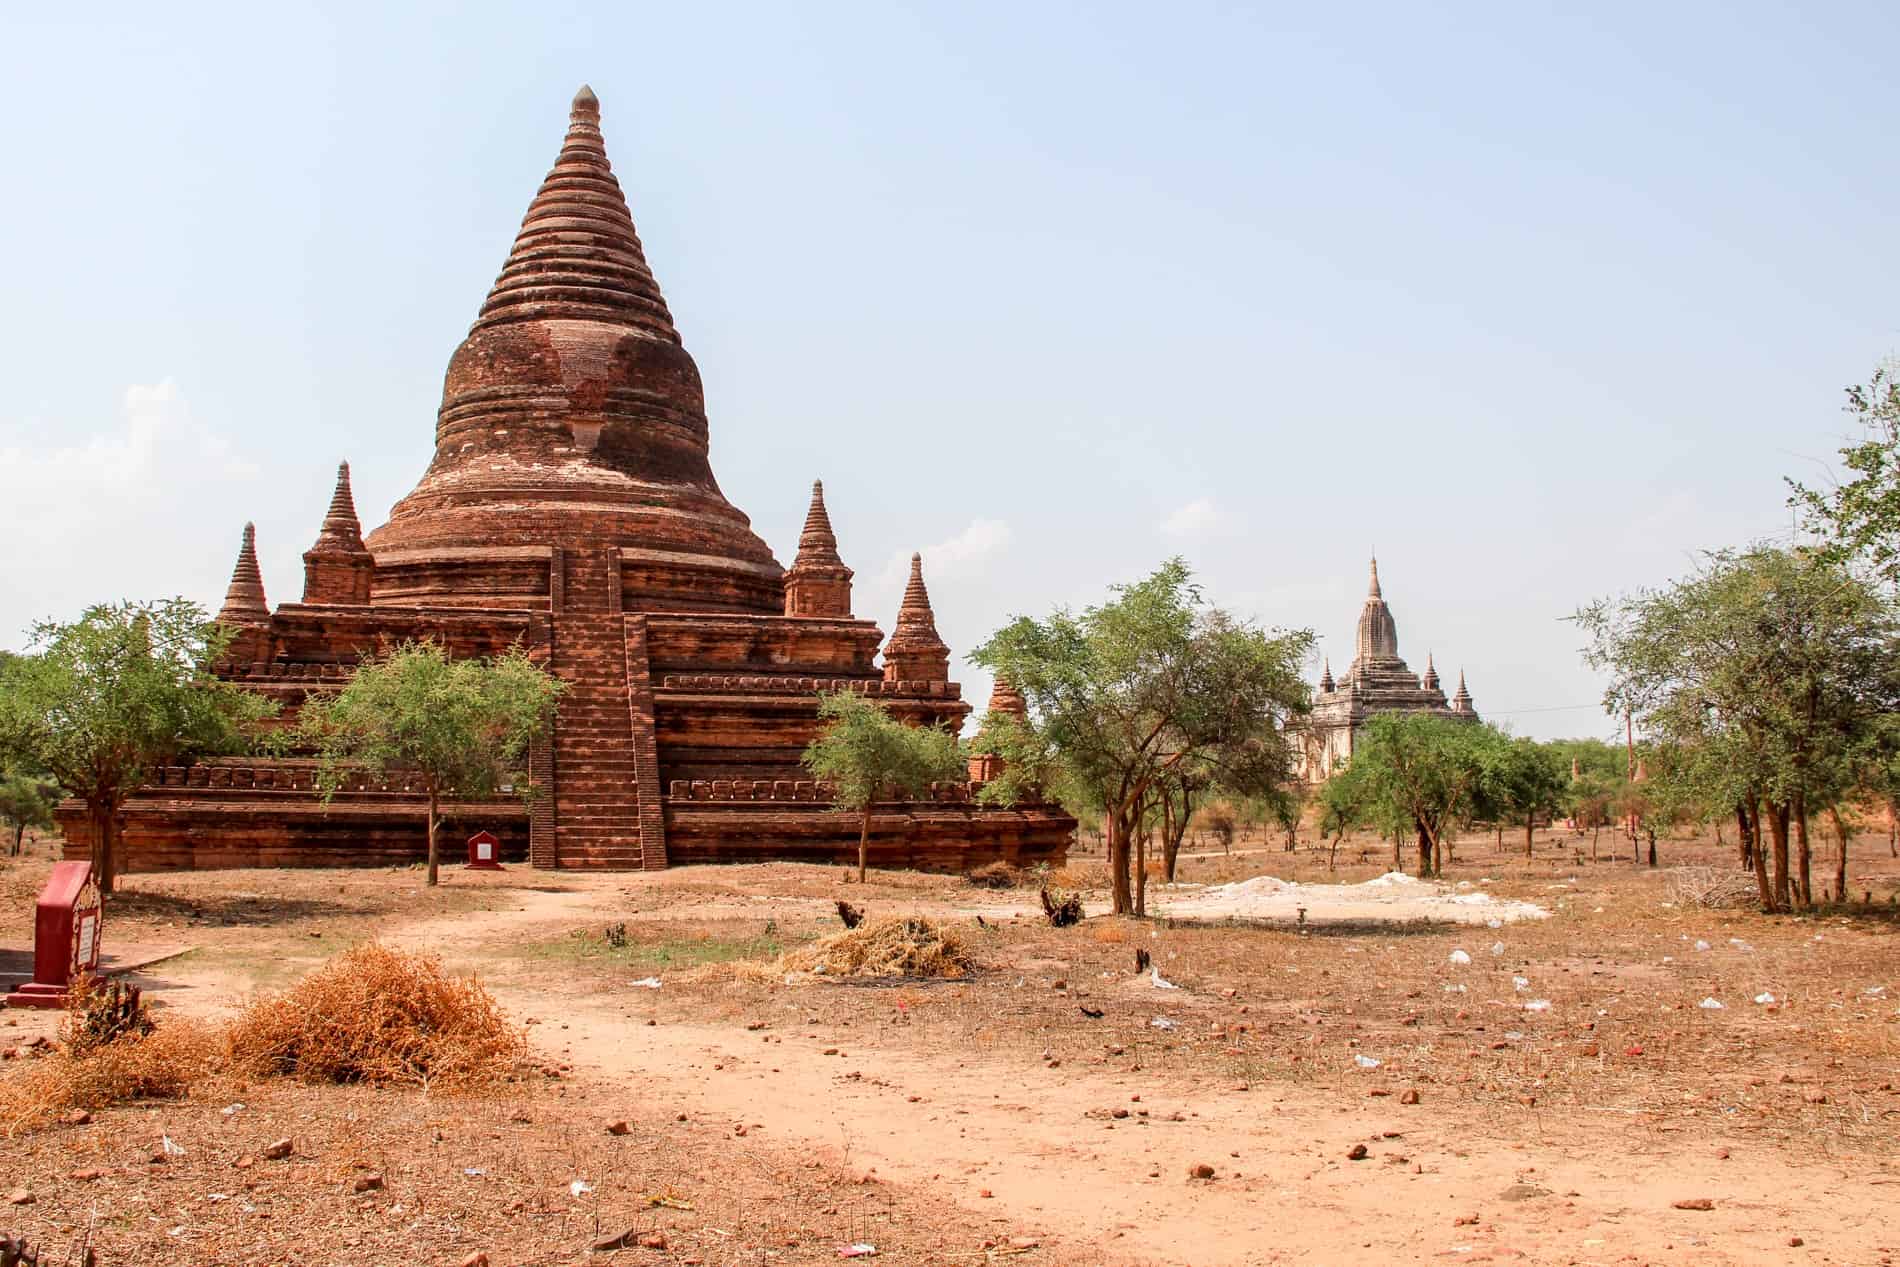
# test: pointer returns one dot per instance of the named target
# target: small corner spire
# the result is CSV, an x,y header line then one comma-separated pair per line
x,y
244,602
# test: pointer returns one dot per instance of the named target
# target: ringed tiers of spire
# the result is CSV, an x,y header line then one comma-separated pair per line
x,y
244,599
818,583
573,418
915,652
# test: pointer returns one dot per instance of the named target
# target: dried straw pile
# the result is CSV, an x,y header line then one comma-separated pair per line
x,y
894,946
376,1015
1711,888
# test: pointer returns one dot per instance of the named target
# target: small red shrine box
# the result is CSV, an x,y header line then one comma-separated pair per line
x,y
484,852
66,926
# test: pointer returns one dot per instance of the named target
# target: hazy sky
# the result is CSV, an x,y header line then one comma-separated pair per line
x,y
1537,305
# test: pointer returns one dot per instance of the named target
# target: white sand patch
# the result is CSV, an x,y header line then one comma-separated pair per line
x,y
1394,897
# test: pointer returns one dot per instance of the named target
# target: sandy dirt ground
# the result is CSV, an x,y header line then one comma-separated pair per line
x,y
1001,1107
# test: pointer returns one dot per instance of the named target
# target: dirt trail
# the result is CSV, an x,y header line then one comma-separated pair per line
x,y
1044,1144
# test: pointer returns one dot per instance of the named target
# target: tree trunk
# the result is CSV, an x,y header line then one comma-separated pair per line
x,y
434,861
1840,857
1651,833
1763,885
864,840
1332,859
1745,834
105,821
1499,844
19,835
1141,872
1530,828
1116,839
1804,856
1596,834
1425,845
1778,853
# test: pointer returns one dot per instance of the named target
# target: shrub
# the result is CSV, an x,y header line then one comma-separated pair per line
x,y
376,1015
895,946
995,875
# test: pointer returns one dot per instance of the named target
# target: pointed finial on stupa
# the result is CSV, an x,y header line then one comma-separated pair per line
x,y
1461,702
915,652
244,601
585,102
1431,673
1326,676
1373,590
818,541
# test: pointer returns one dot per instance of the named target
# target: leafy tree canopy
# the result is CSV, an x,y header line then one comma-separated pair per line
x,y
101,702
462,725
862,750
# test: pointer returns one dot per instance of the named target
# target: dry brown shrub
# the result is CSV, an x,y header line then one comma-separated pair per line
x,y
1110,934
894,946
995,875
377,1015
1710,887
1080,875
160,1065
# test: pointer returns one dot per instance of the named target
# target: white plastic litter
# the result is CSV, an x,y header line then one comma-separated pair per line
x,y
1154,974
1494,923
1162,1022
579,1187
1702,945
1710,1005
1365,1062
169,1148
862,1249
1497,947
1522,983
1537,1005
1460,958
1454,989
1739,944
649,983
1764,998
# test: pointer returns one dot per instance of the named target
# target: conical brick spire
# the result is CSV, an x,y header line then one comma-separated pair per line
x,y
1430,682
818,583
915,653
1326,676
244,601
1461,702
339,568
341,528
1007,701
573,417
577,255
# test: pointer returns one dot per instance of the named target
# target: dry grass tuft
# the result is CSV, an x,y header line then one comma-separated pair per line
x,y
159,1065
377,1015
895,946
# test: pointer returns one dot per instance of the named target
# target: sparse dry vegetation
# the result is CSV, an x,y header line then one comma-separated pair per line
x,y
894,946
380,1016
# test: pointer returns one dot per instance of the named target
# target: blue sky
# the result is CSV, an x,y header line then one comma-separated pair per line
x,y
1536,303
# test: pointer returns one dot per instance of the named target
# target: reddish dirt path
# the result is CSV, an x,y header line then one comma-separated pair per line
x,y
1588,1188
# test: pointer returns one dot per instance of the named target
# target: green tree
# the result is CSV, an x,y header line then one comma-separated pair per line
x,y
1416,773
103,701
463,726
27,800
1524,780
1125,694
1768,674
1859,517
865,753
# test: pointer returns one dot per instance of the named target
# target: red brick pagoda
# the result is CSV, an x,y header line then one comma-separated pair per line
x,y
570,506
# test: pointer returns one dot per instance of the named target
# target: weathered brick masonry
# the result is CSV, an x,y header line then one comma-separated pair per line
x,y
571,507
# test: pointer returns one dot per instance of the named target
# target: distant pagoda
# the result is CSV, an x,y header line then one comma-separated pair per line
x,y
1377,681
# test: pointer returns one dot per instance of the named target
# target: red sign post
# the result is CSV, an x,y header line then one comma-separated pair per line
x,y
484,852
66,927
